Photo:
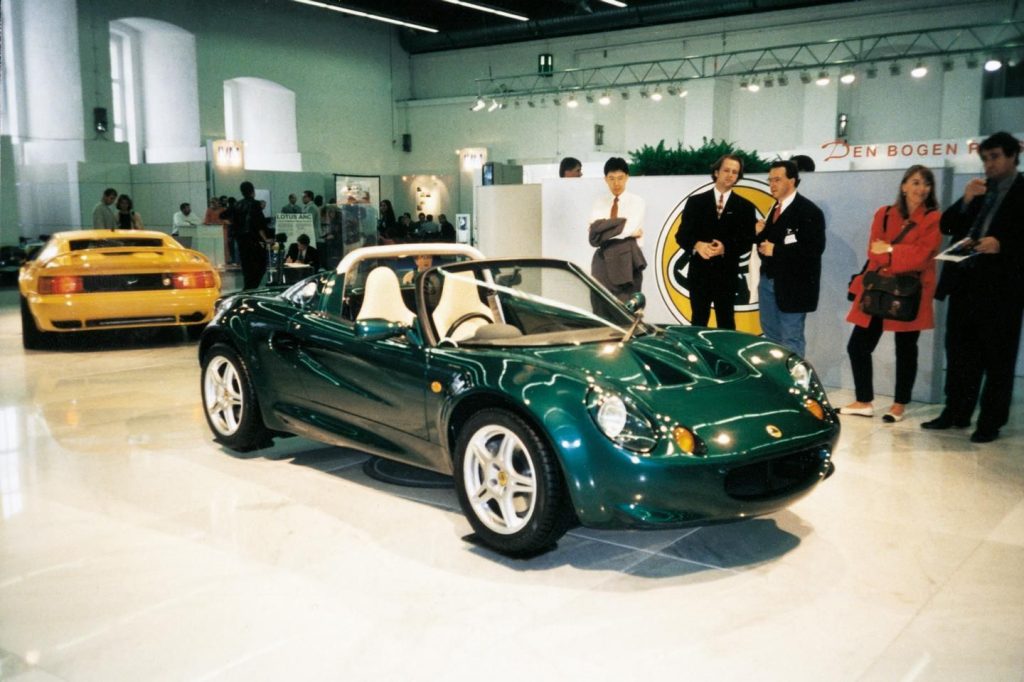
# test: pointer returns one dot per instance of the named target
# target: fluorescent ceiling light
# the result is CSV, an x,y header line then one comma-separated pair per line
x,y
614,3
491,10
366,15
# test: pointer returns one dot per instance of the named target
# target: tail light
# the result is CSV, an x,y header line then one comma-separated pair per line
x,y
194,280
62,284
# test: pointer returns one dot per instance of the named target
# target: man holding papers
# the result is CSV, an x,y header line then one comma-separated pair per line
x,y
986,293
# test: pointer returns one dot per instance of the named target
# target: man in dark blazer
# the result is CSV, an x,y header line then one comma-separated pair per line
x,y
716,228
790,243
986,293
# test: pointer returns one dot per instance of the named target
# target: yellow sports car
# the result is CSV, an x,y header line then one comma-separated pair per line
x,y
114,279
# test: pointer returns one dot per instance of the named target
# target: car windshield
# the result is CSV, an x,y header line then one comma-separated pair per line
x,y
113,243
521,303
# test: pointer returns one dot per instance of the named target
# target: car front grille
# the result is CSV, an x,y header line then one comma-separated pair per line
x,y
779,476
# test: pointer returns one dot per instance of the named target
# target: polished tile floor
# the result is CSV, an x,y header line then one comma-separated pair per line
x,y
134,548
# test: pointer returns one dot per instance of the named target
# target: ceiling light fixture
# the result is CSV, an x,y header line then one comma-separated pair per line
x,y
848,77
769,81
366,15
572,103
805,77
590,98
993,64
823,78
948,65
656,95
753,87
894,69
614,3
625,94
871,71
605,100
490,10
783,80
919,71
480,104
494,105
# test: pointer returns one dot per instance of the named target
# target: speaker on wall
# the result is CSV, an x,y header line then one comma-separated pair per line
x,y
406,142
99,119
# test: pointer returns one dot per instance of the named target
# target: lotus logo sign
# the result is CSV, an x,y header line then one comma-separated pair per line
x,y
673,264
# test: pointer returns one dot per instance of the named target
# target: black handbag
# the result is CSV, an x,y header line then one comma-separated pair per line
x,y
891,297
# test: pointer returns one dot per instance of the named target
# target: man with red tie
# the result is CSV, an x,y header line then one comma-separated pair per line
x,y
716,229
790,244
618,262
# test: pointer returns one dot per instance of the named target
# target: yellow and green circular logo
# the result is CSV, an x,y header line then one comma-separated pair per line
x,y
673,263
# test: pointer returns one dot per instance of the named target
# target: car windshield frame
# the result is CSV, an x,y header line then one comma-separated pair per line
x,y
607,330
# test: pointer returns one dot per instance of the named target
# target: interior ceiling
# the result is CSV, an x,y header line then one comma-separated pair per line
x,y
462,27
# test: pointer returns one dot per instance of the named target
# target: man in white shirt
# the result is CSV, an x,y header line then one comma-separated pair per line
x,y
103,217
625,276
183,218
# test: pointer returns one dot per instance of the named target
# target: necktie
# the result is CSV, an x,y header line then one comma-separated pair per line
x,y
615,208
721,204
776,213
979,228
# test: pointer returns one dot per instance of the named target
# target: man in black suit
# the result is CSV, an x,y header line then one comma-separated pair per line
x,y
986,293
717,227
790,243
302,253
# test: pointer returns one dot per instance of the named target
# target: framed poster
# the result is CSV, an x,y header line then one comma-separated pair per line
x,y
353,219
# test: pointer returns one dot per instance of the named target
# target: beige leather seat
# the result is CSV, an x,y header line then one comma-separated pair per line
x,y
382,298
460,296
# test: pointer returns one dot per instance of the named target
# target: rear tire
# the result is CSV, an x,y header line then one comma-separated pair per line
x,y
229,400
32,338
510,485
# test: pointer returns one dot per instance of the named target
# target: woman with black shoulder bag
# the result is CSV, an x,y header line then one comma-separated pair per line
x,y
895,291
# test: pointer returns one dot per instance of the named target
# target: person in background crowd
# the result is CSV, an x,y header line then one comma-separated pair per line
x,y
618,262
252,235
387,223
790,243
716,228
128,219
429,230
292,206
308,206
986,293
423,263
447,229
570,168
917,210
183,218
213,211
103,217
302,252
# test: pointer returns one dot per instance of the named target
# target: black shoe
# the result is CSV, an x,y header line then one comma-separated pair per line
x,y
985,436
944,421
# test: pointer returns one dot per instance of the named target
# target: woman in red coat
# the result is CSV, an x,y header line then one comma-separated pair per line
x,y
915,252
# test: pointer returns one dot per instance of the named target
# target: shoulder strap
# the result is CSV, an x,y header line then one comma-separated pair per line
x,y
906,228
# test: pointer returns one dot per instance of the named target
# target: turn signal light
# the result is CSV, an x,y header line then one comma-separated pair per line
x,y
815,408
63,284
194,280
684,439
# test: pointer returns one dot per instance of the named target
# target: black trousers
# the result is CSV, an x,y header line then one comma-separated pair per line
x,y
863,341
981,343
718,289
254,261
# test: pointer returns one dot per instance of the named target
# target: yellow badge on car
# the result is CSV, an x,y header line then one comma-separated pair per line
x,y
773,431
435,386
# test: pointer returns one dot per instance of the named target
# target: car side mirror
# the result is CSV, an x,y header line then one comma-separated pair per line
x,y
378,329
636,302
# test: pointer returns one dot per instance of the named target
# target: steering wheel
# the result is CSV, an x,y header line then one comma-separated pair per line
x,y
464,319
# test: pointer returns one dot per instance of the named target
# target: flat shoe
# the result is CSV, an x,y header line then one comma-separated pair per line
x,y
858,411
892,418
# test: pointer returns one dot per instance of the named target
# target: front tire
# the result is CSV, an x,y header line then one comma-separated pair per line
x,y
510,485
229,400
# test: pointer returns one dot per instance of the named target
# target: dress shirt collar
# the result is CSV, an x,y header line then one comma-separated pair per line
x,y
724,197
787,201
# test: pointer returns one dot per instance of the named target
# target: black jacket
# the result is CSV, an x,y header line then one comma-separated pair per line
x,y
996,278
799,239
735,229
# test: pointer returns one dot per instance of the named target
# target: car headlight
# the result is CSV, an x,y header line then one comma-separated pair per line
x,y
620,420
800,371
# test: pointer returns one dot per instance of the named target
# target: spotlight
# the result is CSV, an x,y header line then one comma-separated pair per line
x,y
480,104
494,105
919,71
572,103
625,94
805,77
947,65
656,95
682,89
783,80
644,94
530,103
848,77
971,61
753,87
871,71
672,91
590,98
744,83
557,101
894,69
605,99
823,78
769,81
993,64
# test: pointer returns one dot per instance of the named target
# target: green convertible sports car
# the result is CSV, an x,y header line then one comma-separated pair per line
x,y
550,402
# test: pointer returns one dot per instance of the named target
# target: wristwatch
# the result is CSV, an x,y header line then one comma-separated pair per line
x,y
890,249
